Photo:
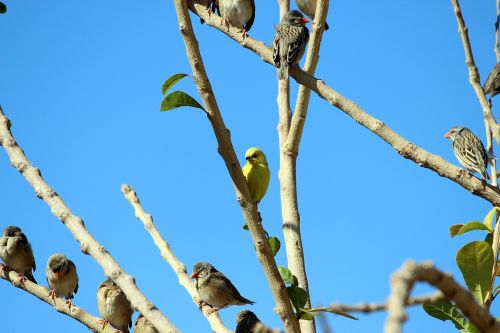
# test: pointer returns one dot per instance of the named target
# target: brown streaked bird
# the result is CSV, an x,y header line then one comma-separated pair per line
x,y
492,84
142,325
215,289
240,13
114,306
289,42
308,7
61,277
16,253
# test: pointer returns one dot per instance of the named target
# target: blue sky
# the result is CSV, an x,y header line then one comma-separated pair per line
x,y
81,83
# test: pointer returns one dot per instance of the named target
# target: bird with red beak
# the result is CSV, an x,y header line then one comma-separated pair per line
x,y
62,277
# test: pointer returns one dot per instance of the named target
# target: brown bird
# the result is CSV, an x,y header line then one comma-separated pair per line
x,y
142,325
289,42
492,84
308,7
61,277
114,306
240,13
247,322
16,253
215,289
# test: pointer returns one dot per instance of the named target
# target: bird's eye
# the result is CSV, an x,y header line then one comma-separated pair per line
x,y
11,233
254,155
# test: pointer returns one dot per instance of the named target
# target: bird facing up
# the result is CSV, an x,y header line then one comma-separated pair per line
x,y
308,7
289,42
492,84
16,252
62,276
469,150
142,325
114,306
256,172
215,289
240,13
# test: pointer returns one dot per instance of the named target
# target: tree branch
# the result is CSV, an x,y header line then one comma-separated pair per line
x,y
57,303
405,148
489,120
166,252
374,307
402,282
75,224
226,150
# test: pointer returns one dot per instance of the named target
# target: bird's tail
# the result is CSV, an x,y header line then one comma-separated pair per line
x,y
30,277
283,71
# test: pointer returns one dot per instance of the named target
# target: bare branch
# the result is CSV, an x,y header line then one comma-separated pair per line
x,y
402,282
405,148
57,303
75,224
492,129
374,307
284,7
166,252
226,150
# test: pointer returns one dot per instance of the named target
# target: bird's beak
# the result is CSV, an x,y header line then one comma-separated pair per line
x,y
194,275
447,135
248,158
305,20
58,275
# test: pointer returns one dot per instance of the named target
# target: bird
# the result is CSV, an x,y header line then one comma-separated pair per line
x,y
215,289
61,277
492,84
240,13
469,150
114,306
16,253
308,7
289,42
142,325
256,172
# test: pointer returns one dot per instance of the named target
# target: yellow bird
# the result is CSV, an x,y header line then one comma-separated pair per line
x,y
256,173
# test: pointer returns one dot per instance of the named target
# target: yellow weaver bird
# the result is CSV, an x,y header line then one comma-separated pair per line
x,y
256,173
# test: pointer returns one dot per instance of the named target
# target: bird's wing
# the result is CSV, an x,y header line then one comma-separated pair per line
x,y
276,49
249,24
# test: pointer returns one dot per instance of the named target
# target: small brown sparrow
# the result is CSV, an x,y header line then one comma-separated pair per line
x,y
61,276
142,325
16,253
215,289
114,306
308,7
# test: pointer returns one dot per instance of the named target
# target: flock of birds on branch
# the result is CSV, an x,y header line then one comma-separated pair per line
x,y
215,289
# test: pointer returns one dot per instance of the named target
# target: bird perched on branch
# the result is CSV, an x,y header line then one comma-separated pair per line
x,y
215,289
469,150
16,253
142,325
247,322
240,13
114,306
308,7
256,173
61,276
492,84
289,42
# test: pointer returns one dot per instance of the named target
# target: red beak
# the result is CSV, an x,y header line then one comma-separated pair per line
x,y
305,20
447,135
194,275
58,275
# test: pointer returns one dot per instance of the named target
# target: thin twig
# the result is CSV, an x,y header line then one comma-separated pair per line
x,y
57,303
492,129
226,150
402,282
166,252
374,307
404,147
88,244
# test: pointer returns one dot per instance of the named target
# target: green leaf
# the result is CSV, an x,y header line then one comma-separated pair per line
x,y
171,81
275,245
475,261
496,291
489,239
3,8
305,315
444,310
286,275
316,311
488,220
298,296
458,229
177,99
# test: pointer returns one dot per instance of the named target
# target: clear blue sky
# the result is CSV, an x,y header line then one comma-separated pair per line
x,y
81,83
